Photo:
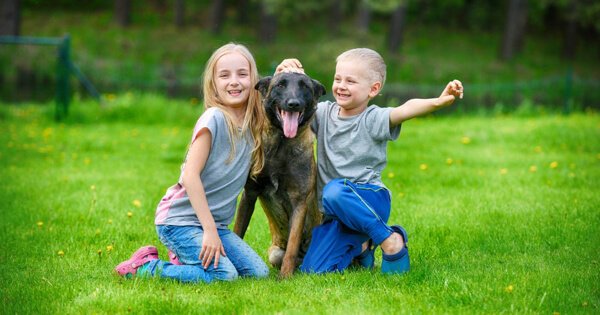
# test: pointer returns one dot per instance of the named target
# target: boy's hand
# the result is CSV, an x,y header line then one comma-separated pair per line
x,y
289,65
453,90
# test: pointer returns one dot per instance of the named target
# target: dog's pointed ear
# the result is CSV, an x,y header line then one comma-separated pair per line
x,y
318,88
263,86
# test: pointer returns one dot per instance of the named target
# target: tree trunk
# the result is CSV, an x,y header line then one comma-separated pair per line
x,y
363,18
514,32
243,11
217,16
396,31
336,17
180,13
123,12
268,24
10,17
570,36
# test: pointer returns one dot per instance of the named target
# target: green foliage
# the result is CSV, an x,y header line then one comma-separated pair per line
x,y
501,211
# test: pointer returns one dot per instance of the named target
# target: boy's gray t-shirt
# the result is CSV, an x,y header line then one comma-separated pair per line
x,y
223,180
354,147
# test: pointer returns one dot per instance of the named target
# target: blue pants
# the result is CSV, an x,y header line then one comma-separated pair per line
x,y
186,243
354,213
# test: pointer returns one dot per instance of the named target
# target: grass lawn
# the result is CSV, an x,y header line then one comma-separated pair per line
x,y
502,212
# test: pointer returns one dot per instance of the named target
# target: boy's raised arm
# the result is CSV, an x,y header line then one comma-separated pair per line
x,y
416,107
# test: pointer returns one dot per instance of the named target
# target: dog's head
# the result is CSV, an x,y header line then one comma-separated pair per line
x,y
290,100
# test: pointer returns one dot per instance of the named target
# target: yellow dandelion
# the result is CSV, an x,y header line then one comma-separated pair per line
x,y
401,195
537,149
509,289
87,161
93,187
60,253
137,203
111,97
554,164
130,214
423,167
194,100
449,161
98,231
503,171
391,175
40,223
109,248
465,140
533,168
109,221
556,313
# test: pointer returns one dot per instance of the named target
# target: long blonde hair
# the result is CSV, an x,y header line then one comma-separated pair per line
x,y
254,117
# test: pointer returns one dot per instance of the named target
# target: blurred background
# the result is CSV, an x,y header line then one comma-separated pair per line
x,y
510,54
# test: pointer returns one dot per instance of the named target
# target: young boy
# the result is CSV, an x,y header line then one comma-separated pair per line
x,y
351,154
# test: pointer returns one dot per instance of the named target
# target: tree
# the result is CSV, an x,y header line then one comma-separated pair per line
x,y
217,16
397,11
396,32
514,31
336,16
123,12
268,23
179,13
10,17
363,18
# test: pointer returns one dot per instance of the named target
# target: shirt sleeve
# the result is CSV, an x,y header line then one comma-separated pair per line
x,y
210,119
378,123
321,106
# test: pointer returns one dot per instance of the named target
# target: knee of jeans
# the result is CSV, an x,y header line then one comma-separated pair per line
x,y
333,191
262,272
228,275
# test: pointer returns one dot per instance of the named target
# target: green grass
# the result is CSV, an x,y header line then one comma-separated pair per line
x,y
487,235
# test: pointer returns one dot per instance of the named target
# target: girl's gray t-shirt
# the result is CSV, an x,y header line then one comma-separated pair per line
x,y
223,180
354,147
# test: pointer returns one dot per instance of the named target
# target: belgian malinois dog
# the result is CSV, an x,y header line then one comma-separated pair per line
x,y
286,186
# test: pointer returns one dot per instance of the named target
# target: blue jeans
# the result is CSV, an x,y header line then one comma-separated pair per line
x,y
354,213
186,243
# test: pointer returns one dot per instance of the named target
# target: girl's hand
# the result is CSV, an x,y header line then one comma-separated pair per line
x,y
453,90
211,248
289,65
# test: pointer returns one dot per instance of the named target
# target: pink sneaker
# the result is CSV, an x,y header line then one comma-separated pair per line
x,y
173,258
140,257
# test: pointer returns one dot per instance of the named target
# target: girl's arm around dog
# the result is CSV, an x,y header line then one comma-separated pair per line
x,y
418,107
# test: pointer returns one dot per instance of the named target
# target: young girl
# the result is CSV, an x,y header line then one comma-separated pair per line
x,y
192,218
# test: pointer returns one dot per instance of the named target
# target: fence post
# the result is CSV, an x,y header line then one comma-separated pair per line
x,y
63,84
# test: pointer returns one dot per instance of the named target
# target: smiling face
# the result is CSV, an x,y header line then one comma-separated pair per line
x,y
352,87
232,80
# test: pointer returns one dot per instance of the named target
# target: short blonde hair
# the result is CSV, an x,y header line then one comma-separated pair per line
x,y
370,58
254,118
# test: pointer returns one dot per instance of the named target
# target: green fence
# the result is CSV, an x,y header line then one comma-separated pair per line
x,y
64,69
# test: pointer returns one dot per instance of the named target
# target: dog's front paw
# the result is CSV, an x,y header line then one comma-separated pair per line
x,y
276,256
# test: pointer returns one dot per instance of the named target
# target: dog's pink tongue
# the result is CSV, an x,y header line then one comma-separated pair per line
x,y
290,123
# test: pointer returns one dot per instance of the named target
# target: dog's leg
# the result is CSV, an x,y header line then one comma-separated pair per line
x,y
244,213
293,244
